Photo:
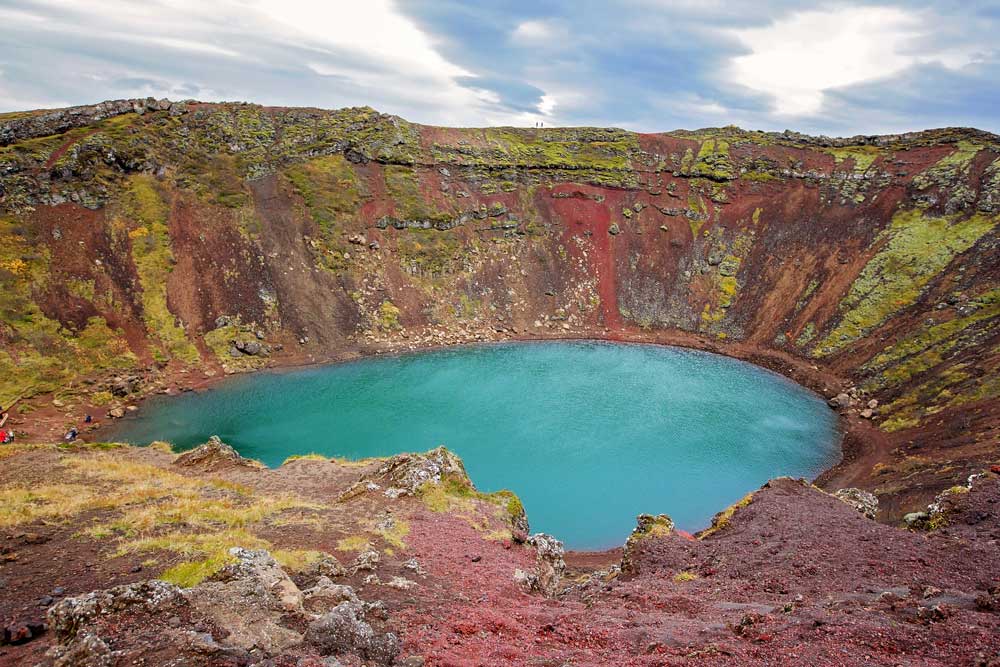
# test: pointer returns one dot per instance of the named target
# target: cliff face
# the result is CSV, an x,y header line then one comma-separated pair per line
x,y
143,234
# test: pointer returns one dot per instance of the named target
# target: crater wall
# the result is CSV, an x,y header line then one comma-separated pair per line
x,y
147,237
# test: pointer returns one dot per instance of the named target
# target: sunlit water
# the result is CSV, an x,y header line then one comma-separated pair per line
x,y
588,434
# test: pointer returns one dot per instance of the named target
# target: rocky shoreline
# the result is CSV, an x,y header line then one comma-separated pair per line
x,y
131,391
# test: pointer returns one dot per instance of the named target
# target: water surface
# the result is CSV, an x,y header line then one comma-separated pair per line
x,y
588,434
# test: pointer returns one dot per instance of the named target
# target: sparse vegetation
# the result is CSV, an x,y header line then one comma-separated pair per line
x,y
722,519
145,508
912,251
153,257
352,543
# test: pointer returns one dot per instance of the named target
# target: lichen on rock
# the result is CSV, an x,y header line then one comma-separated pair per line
x,y
214,455
550,566
861,500
647,527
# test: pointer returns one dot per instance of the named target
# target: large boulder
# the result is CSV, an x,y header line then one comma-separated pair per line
x,y
346,631
249,598
840,402
325,595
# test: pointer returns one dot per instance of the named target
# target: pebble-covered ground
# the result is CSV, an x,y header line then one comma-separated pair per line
x,y
377,565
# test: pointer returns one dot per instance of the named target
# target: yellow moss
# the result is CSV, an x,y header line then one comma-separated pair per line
x,y
912,251
297,560
203,518
213,548
154,261
722,519
899,423
498,535
951,166
659,530
192,573
862,156
685,576
47,502
396,533
438,498
195,544
353,543
312,456
388,316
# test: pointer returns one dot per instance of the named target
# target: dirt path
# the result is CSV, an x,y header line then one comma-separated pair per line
x,y
59,152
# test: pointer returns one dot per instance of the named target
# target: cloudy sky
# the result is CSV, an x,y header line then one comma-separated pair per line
x,y
651,65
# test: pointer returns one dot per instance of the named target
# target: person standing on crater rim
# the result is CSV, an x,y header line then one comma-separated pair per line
x,y
6,436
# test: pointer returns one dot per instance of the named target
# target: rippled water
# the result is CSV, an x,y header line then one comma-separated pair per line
x,y
588,434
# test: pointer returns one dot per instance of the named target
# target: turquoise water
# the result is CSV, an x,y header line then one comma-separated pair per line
x,y
588,434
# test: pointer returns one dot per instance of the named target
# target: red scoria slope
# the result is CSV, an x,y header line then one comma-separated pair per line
x,y
790,575
149,246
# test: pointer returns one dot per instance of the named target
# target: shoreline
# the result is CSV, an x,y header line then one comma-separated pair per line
x,y
857,444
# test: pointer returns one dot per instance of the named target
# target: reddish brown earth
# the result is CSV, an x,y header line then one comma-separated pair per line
x,y
794,576
752,250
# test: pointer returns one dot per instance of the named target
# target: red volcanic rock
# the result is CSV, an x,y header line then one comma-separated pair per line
x,y
135,233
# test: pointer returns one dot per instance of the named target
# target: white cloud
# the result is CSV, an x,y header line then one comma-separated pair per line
x,y
373,28
797,58
188,45
11,16
340,53
14,102
532,31
547,105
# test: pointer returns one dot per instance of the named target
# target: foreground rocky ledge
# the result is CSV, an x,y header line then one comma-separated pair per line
x,y
119,555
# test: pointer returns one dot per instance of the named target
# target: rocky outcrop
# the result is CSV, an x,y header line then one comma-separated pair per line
x,y
647,527
325,594
345,630
404,474
248,598
57,121
71,615
214,455
151,622
550,566
859,499
249,611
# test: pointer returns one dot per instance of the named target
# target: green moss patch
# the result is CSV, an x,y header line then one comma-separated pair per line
x,y
713,161
154,261
927,347
913,250
40,354
946,170
862,157
428,252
